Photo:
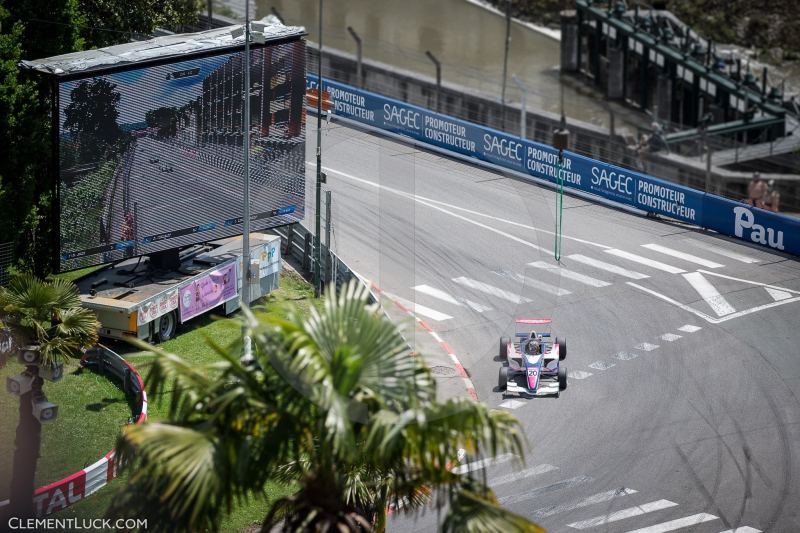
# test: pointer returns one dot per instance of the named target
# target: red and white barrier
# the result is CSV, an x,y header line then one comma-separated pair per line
x,y
72,489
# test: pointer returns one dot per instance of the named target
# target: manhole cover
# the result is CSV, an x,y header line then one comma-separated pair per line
x,y
444,371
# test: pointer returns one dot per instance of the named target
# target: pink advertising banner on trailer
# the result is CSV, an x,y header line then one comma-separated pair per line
x,y
208,292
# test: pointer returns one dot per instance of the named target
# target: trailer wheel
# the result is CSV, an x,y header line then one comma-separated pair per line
x,y
503,352
167,327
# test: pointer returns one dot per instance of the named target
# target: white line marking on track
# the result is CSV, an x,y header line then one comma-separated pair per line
x,y
433,314
623,514
625,356
522,474
645,261
745,529
423,199
491,289
436,336
646,347
601,365
709,293
436,293
614,269
682,255
535,283
672,525
531,494
688,328
670,337
778,295
569,274
722,251
579,374
748,281
512,404
591,500
483,463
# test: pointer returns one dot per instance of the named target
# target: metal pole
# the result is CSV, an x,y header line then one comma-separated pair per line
x,y
210,12
523,91
358,56
505,57
438,79
328,262
245,296
317,248
708,169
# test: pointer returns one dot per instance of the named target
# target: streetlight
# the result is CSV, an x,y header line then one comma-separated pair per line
x,y
245,296
438,79
523,91
505,56
318,220
359,43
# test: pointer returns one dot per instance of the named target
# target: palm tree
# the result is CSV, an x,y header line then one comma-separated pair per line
x,y
47,316
333,404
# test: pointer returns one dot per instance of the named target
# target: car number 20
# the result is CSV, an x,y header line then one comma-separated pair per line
x,y
532,372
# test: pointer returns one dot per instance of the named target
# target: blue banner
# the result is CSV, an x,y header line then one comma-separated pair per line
x,y
579,172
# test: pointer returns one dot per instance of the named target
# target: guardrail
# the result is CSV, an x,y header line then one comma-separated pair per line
x,y
539,161
72,489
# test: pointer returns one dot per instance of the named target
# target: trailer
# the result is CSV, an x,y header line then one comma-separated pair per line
x,y
150,297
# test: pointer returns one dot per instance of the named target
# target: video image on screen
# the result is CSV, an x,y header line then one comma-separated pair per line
x,y
152,158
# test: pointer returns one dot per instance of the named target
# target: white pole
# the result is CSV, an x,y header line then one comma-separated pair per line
x,y
523,91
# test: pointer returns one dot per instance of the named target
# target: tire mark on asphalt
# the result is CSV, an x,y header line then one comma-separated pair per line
x,y
707,496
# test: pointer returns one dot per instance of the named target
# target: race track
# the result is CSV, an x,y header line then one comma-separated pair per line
x,y
682,409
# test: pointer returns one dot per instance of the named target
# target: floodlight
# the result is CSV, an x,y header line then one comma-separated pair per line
x,y
43,410
52,372
29,355
19,384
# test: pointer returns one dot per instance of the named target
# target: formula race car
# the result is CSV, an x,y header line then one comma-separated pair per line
x,y
532,365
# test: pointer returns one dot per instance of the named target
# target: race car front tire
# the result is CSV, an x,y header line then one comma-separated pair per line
x,y
562,378
562,349
503,348
502,378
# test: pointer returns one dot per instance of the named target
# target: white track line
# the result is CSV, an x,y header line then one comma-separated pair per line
x,y
745,529
436,293
778,295
722,251
670,337
511,404
591,500
623,514
418,309
758,283
535,283
679,523
709,293
522,474
578,374
491,289
569,274
645,261
614,269
483,463
688,328
683,255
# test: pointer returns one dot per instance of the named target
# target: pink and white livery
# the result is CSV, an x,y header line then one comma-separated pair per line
x,y
531,362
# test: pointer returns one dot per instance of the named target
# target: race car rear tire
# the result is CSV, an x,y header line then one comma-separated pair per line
x,y
502,378
504,348
562,378
562,349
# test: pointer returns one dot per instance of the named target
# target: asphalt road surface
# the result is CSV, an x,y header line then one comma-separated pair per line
x,y
682,408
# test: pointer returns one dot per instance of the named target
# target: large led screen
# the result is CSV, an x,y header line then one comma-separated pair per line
x,y
151,158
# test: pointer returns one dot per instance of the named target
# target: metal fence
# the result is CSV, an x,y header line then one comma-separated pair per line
x,y
6,259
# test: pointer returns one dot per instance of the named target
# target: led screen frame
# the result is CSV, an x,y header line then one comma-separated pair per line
x,y
159,164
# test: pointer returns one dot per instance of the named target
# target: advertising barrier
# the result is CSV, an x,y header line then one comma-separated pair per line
x,y
208,291
537,160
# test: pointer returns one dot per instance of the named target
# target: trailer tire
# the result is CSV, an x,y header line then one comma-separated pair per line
x,y
167,327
